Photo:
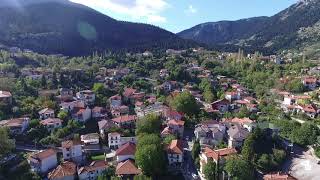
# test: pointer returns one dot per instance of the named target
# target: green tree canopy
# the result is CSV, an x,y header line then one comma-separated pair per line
x,y
239,169
151,159
210,170
305,135
149,124
186,103
6,144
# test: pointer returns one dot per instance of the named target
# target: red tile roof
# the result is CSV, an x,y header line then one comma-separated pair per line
x,y
128,92
240,121
126,149
45,110
310,80
217,154
166,131
64,169
43,154
70,143
310,108
95,165
126,118
175,147
5,94
17,122
50,121
176,122
127,168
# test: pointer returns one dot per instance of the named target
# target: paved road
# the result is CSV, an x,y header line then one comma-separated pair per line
x,y
188,165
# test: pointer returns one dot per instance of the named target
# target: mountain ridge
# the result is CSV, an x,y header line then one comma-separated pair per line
x,y
63,27
268,34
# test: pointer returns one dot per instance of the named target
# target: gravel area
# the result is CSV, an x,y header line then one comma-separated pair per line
x,y
305,166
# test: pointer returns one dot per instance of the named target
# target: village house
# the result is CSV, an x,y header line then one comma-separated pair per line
x,y
175,153
93,170
127,169
87,96
65,171
170,114
218,156
115,140
232,96
51,123
126,152
46,113
90,139
65,94
249,102
99,112
69,106
131,95
127,121
104,126
72,151
81,114
221,105
166,132
244,122
43,161
168,86
5,97
237,135
158,109
115,101
310,82
311,110
16,126
210,133
176,126
119,111
164,73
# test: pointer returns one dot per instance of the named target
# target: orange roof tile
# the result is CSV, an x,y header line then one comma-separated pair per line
x,y
127,168
175,147
64,169
126,149
95,165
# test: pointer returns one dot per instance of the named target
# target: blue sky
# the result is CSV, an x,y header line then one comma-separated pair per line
x,y
177,15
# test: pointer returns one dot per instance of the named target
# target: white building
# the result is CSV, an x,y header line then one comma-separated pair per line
x,y
82,114
16,126
5,97
126,152
115,140
92,171
52,123
46,113
90,139
43,161
175,153
72,150
65,171
86,96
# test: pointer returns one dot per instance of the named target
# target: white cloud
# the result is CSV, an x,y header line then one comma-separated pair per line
x,y
191,10
148,10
